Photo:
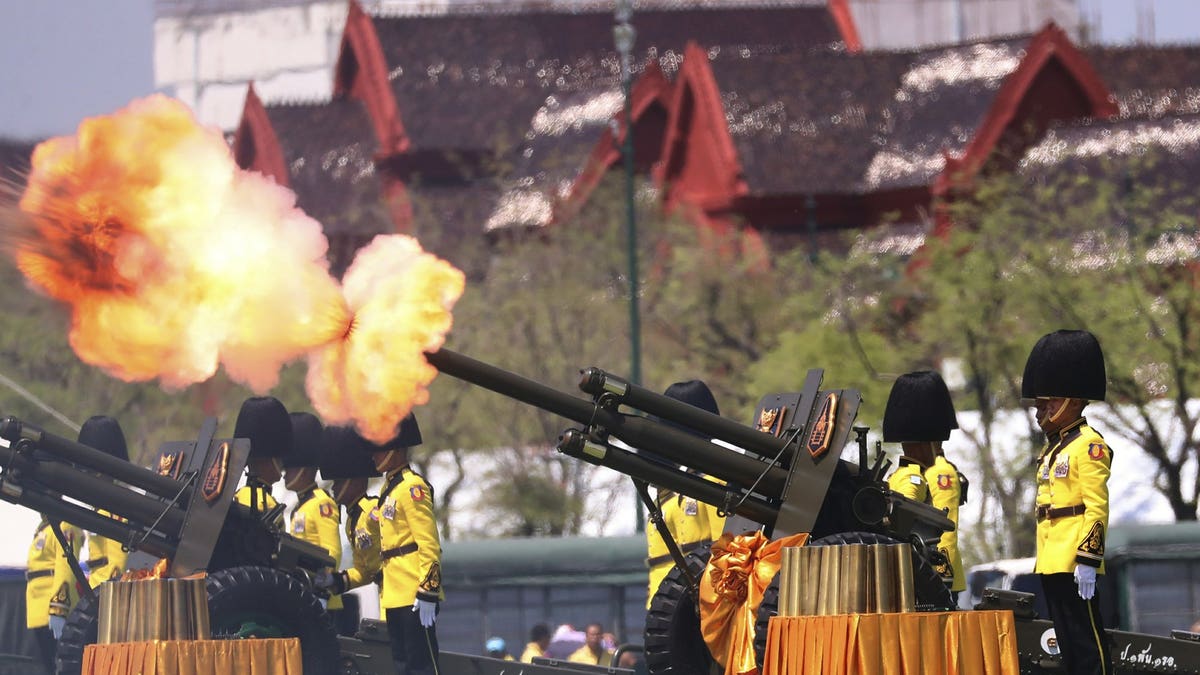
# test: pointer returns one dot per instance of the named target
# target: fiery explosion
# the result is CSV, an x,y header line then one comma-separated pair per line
x,y
174,262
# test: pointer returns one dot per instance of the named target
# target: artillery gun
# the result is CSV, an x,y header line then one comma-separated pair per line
x,y
258,578
789,479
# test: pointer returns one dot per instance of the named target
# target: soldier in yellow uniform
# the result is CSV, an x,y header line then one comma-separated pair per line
x,y
411,553
50,590
692,523
106,558
315,518
1064,372
920,416
264,421
346,460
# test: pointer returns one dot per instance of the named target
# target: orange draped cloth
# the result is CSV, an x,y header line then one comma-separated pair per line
x,y
912,643
194,657
731,589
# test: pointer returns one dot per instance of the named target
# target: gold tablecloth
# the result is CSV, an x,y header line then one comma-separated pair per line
x,y
194,657
912,643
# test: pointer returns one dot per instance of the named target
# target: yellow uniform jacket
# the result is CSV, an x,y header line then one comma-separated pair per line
x,y
410,549
362,531
261,497
692,523
909,480
1072,500
317,519
532,649
585,655
945,492
106,558
50,584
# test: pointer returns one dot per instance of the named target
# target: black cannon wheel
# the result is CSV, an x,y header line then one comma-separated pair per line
x,y
673,645
263,602
242,602
931,591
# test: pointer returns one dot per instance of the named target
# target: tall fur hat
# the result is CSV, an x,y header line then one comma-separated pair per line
x,y
919,409
265,422
104,433
306,441
346,454
407,436
694,393
1065,364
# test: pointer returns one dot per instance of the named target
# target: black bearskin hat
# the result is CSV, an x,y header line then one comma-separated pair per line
x,y
408,436
694,393
1065,364
346,454
306,441
104,433
265,422
919,409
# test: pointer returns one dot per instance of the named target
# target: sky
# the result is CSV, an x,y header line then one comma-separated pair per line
x,y
65,60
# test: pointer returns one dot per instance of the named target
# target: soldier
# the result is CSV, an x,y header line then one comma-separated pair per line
x,y
539,642
692,524
920,416
315,518
593,650
106,558
50,590
1064,372
411,552
265,422
346,460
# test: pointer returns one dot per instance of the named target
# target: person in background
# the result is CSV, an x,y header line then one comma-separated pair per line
x,y
920,416
346,460
592,651
539,642
264,421
1064,372
411,553
498,649
692,523
106,558
50,590
315,518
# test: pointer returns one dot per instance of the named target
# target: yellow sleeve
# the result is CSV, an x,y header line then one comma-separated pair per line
x,y
908,481
329,524
1095,466
416,502
364,546
944,490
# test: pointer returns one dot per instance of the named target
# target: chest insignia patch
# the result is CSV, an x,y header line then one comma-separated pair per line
x,y
389,509
298,523
362,538
1063,468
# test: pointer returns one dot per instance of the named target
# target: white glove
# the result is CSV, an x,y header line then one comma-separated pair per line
x,y
1085,576
426,610
56,625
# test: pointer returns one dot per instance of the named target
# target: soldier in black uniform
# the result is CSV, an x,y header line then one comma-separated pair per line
x,y
1064,372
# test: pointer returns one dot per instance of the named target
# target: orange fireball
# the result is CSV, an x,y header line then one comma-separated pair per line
x,y
173,260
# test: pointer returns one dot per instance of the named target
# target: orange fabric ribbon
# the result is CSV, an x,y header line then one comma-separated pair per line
x,y
731,589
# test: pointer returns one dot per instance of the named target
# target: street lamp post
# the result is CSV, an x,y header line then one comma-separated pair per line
x,y
623,37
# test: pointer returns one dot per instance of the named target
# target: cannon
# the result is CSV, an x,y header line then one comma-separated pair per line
x,y
789,478
258,578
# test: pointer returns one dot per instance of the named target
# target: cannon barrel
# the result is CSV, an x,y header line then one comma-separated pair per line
x,y
673,444
13,430
576,444
598,382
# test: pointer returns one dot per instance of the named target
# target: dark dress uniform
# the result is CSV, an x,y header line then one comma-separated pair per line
x,y
1072,497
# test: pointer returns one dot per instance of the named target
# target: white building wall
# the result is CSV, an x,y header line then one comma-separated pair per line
x,y
901,24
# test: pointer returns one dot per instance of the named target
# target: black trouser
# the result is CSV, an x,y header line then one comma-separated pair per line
x,y
47,645
1078,627
414,647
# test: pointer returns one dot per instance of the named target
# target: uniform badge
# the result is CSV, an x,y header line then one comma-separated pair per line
x,y
417,492
298,523
389,509
690,507
362,538
374,514
40,542
944,481
326,510
822,430
915,479
1063,468
1096,451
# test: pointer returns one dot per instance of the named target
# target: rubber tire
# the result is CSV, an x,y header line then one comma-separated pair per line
x,y
261,590
78,632
294,608
932,593
673,645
